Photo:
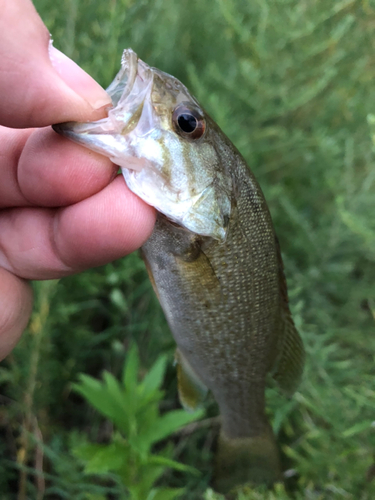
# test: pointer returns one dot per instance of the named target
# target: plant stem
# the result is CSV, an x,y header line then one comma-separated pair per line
x,y
37,331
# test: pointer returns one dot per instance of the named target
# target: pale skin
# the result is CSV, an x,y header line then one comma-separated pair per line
x,y
63,209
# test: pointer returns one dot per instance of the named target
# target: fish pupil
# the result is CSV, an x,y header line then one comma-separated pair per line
x,y
187,122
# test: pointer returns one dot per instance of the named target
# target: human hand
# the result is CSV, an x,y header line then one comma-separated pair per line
x,y
62,208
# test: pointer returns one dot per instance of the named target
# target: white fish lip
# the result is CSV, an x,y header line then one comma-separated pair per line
x,y
128,92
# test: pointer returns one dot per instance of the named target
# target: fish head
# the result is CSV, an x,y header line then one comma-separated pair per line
x,y
167,147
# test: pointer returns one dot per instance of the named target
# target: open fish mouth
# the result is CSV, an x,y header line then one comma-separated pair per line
x,y
159,165
129,92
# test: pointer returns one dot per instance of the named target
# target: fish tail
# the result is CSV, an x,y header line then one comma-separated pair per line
x,y
248,460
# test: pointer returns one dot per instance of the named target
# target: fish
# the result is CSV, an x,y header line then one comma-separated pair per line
x,y
213,259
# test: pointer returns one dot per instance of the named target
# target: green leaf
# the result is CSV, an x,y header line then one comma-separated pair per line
x,y
97,394
357,428
169,423
165,493
142,482
131,367
124,401
167,462
113,386
102,458
154,378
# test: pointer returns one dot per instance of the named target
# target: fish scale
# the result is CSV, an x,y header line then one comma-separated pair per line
x,y
233,343
213,259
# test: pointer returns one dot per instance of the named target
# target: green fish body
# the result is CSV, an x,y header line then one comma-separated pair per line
x,y
226,304
213,259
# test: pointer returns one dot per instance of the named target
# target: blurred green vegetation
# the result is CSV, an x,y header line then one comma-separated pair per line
x,y
133,408
292,84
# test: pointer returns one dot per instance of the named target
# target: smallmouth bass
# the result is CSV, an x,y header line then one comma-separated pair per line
x,y
213,259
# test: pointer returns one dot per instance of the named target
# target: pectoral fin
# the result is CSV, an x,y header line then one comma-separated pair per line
x,y
191,389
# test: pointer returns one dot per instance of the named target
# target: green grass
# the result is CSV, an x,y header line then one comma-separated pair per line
x,y
292,84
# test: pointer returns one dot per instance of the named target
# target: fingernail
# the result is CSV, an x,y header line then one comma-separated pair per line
x,y
77,79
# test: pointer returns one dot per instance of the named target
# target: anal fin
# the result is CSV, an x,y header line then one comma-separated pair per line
x,y
191,389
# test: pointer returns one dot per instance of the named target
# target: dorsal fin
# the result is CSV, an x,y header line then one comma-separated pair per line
x,y
289,363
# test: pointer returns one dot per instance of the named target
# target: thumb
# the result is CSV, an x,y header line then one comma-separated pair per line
x,y
38,84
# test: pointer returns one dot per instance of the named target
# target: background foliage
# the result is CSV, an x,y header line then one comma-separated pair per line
x,y
292,84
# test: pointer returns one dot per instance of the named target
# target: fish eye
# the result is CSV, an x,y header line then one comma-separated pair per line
x,y
188,121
